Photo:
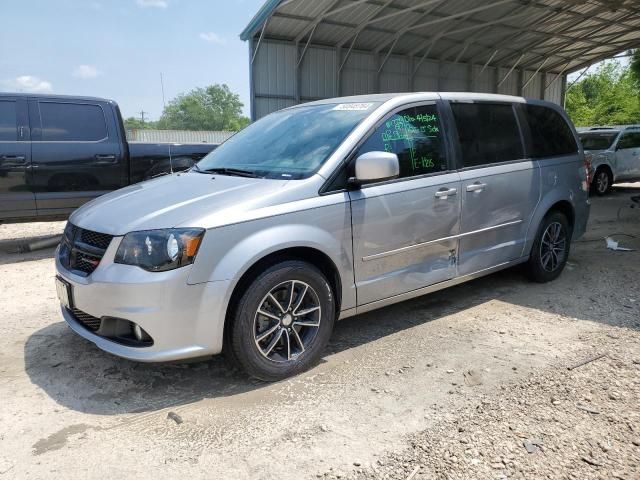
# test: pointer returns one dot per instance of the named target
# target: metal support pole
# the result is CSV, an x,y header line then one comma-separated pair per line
x,y
338,70
255,50
296,78
535,73
510,70
486,64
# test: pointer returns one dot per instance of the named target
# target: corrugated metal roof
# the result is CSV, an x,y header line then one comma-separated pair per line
x,y
559,35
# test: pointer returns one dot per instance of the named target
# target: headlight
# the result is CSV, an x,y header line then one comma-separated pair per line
x,y
160,250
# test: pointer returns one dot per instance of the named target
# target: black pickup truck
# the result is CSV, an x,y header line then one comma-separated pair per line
x,y
58,152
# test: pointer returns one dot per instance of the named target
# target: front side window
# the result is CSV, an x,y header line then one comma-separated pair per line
x,y
290,144
597,141
488,133
415,135
629,140
8,122
72,122
550,134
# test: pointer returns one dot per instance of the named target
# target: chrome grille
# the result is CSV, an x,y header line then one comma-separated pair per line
x,y
81,250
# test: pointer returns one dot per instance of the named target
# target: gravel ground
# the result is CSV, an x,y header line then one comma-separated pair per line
x,y
471,382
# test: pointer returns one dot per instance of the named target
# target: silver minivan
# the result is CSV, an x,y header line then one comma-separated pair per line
x,y
319,212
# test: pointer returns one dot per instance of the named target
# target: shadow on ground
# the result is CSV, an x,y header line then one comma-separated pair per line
x,y
81,377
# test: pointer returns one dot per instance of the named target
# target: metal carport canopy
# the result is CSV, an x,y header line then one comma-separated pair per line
x,y
302,50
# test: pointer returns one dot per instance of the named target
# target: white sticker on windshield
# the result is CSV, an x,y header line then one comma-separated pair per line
x,y
353,107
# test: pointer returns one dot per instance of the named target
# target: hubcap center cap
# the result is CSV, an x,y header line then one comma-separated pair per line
x,y
287,320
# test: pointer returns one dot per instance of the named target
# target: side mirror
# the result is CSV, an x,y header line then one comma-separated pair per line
x,y
376,167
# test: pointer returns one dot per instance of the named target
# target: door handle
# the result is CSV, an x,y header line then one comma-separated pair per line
x,y
105,159
476,187
14,159
445,192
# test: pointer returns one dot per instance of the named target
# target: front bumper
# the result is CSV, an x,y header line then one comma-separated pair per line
x,y
183,320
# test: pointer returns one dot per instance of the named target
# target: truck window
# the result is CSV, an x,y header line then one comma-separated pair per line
x,y
488,133
415,135
550,134
72,122
8,122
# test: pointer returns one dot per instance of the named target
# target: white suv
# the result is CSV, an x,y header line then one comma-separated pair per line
x,y
615,155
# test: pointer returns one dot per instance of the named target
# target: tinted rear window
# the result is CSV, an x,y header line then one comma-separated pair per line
x,y
8,122
488,133
551,136
72,122
597,141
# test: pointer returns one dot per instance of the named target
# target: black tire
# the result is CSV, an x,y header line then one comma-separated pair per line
x,y
300,344
602,181
544,266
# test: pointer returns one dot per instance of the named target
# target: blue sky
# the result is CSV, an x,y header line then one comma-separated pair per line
x,y
117,48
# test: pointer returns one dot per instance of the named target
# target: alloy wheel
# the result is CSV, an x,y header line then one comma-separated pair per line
x,y
553,247
602,182
287,321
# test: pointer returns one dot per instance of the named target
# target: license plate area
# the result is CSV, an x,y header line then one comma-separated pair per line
x,y
65,293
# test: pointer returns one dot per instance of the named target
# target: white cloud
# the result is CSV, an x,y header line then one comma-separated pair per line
x,y
152,3
28,84
86,72
213,37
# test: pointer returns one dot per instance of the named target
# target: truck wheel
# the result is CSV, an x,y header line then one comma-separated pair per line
x,y
550,249
602,181
283,321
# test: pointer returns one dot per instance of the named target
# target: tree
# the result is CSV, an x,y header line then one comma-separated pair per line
x,y
215,107
634,66
608,96
136,123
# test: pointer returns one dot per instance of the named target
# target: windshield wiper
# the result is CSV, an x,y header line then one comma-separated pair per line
x,y
236,172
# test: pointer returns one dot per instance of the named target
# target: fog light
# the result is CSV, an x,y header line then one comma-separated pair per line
x,y
137,331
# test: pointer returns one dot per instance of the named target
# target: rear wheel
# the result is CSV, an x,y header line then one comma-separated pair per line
x,y
282,321
550,249
602,181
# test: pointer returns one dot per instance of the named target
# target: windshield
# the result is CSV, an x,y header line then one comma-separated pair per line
x,y
289,144
597,141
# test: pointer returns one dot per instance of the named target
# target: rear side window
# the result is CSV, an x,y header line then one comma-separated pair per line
x,y
415,135
72,122
488,133
550,134
8,122
629,140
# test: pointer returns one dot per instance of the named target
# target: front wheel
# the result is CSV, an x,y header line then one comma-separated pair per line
x,y
283,321
550,249
602,182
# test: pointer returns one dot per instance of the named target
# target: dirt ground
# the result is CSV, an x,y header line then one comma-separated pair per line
x,y
470,382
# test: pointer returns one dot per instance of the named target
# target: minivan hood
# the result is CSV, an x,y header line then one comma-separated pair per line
x,y
172,200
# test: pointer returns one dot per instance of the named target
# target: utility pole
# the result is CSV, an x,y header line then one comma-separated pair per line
x,y
164,105
142,112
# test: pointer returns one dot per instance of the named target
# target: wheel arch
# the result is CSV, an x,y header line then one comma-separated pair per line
x,y
555,203
564,207
606,167
311,255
